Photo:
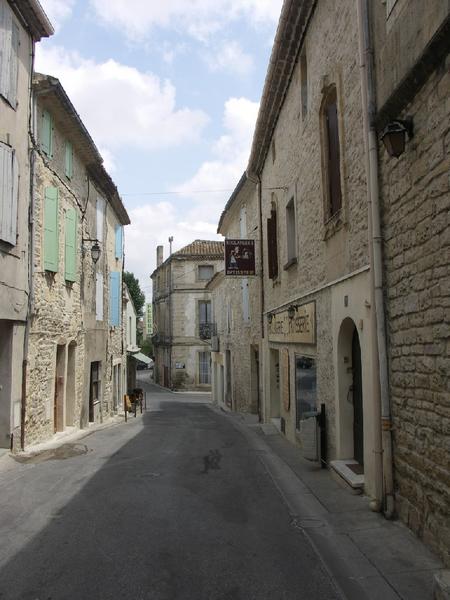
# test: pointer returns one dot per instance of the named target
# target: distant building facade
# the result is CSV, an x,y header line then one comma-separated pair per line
x,y
236,308
22,24
182,315
148,320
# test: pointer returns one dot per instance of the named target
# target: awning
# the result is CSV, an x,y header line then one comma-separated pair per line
x,y
142,358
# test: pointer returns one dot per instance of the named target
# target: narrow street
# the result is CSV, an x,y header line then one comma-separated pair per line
x,y
174,504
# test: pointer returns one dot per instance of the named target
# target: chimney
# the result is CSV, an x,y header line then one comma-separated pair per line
x,y
159,255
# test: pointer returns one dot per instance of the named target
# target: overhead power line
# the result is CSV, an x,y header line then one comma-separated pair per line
x,y
179,193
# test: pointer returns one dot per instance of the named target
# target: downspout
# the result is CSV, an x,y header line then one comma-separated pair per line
x,y
375,244
30,307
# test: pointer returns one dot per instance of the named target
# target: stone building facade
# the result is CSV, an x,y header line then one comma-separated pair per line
x,y
236,309
22,24
76,359
182,317
308,158
412,61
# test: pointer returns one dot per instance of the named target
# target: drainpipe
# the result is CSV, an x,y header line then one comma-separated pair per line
x,y
375,245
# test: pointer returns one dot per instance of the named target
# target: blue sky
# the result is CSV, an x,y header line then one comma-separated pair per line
x,y
169,90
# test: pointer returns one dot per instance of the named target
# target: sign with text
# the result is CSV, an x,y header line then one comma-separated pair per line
x,y
239,257
299,328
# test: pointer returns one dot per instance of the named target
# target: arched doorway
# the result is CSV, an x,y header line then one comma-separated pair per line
x,y
350,417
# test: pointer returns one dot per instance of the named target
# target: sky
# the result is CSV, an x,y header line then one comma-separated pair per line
x,y
169,91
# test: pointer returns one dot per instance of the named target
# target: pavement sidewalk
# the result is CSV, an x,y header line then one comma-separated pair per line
x,y
367,556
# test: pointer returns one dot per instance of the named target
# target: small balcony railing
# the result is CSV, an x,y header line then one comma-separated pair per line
x,y
207,330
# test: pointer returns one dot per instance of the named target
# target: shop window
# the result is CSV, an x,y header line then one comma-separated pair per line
x,y
305,387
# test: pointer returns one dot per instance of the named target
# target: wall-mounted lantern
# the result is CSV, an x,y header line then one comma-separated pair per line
x,y
292,310
394,136
95,250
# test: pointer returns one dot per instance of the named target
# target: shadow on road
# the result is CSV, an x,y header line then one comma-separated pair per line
x,y
151,525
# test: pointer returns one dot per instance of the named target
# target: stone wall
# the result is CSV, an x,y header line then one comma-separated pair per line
x,y
416,220
326,250
239,335
55,321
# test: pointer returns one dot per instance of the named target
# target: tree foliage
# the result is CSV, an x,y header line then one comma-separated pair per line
x,y
137,295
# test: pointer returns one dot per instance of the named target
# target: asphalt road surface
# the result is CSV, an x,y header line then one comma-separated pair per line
x,y
173,505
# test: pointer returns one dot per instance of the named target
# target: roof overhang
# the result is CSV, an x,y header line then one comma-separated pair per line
x,y
294,20
32,13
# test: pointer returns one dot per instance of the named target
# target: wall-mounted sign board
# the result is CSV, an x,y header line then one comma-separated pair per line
x,y
239,257
297,329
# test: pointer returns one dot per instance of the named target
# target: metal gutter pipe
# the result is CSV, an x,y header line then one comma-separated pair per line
x,y
375,245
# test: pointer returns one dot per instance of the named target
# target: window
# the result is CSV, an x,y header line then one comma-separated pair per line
x,y
204,368
114,299
69,160
47,133
9,54
291,233
51,237
205,272
332,155
243,222
245,301
305,387
100,217
204,319
119,241
272,244
99,296
9,190
304,84
70,270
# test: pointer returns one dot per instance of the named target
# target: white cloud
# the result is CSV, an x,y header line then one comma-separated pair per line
x,y
199,18
120,105
58,11
152,224
230,57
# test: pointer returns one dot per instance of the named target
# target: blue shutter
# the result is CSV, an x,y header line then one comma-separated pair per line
x,y
114,299
119,241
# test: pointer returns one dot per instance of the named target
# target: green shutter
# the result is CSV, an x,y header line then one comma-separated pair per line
x,y
51,229
69,160
47,133
70,272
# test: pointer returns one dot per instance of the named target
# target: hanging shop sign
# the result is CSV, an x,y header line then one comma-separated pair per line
x,y
239,257
296,324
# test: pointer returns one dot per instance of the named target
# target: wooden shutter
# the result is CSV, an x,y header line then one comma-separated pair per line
x,y
119,241
71,245
99,296
114,299
69,160
51,229
6,21
334,171
272,245
9,190
46,133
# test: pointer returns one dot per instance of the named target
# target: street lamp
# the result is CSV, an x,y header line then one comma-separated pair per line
x,y
394,136
95,250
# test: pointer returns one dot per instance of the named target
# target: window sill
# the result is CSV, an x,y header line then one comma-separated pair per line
x,y
334,224
292,261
